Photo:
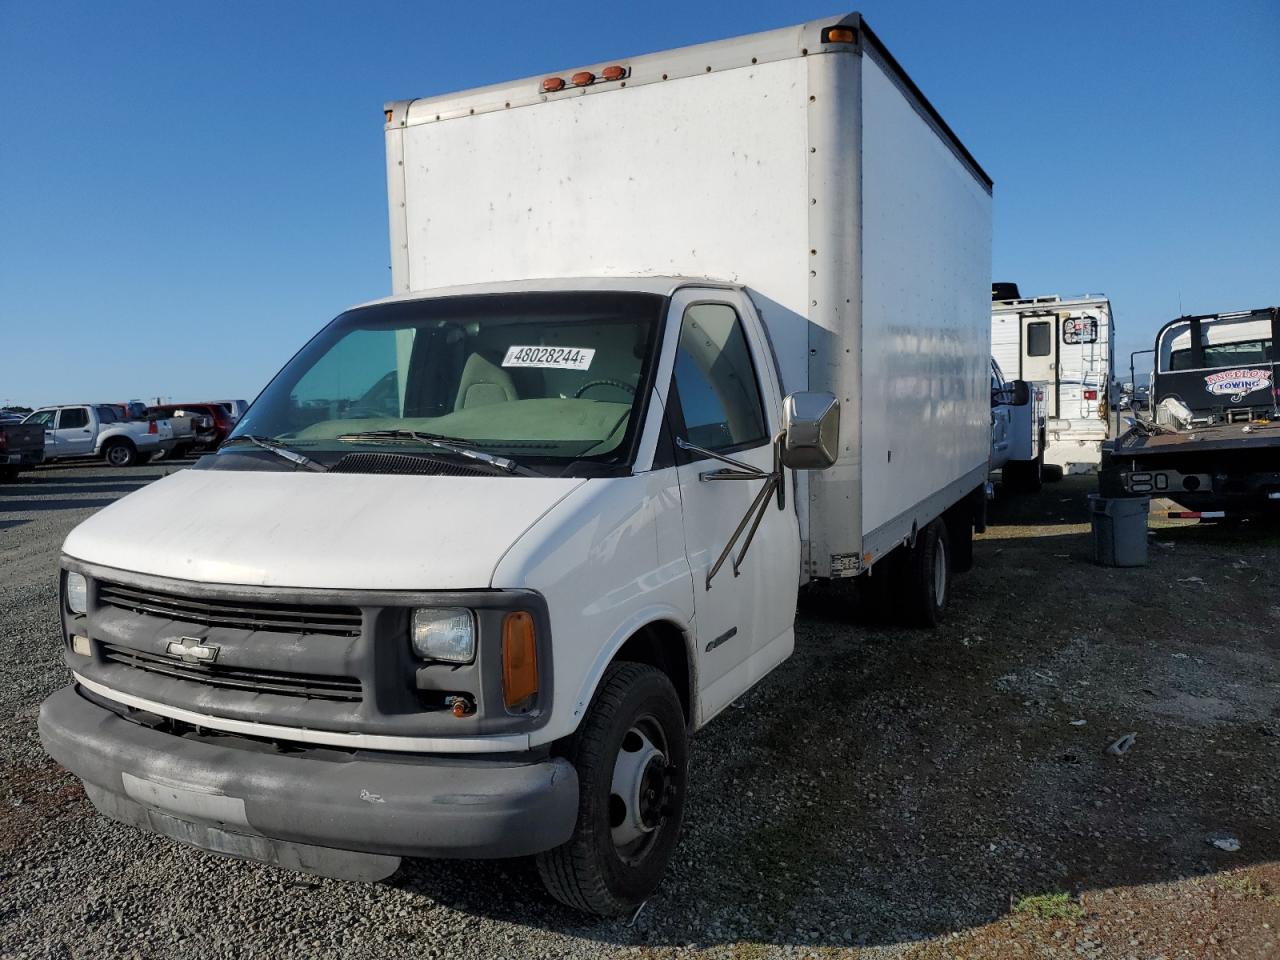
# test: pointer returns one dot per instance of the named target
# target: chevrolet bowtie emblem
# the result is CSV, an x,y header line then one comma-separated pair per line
x,y
192,650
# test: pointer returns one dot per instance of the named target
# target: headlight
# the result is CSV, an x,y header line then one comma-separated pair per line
x,y
77,593
444,633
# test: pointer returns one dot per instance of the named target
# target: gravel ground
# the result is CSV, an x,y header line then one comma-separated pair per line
x,y
885,793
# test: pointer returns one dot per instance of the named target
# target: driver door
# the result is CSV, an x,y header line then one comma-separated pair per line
x,y
724,397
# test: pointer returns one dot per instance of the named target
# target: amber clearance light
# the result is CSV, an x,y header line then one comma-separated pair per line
x,y
519,658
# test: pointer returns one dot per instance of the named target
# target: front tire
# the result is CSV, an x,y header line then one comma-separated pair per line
x,y
631,754
120,453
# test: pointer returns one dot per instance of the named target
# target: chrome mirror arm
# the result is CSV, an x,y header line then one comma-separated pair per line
x,y
774,482
741,471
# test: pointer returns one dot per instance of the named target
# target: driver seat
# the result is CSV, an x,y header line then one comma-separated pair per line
x,y
483,383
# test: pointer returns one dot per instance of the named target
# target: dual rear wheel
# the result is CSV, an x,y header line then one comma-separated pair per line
x,y
912,585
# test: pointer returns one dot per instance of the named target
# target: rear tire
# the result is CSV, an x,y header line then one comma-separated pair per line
x,y
120,453
925,584
631,741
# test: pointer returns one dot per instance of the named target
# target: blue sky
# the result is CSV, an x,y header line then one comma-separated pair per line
x,y
187,192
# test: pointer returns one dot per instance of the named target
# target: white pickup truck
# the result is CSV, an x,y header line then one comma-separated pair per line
x,y
671,337
1018,432
97,430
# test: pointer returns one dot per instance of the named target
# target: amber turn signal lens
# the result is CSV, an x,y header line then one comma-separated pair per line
x,y
552,84
519,658
583,78
388,113
839,35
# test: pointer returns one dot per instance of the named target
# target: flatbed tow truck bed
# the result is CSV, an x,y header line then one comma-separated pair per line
x,y
1229,469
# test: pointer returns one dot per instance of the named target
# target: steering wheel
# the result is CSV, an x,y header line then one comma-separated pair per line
x,y
604,383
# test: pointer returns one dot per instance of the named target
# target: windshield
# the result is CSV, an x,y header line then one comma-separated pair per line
x,y
529,376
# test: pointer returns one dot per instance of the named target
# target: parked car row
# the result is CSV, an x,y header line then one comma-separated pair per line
x,y
122,434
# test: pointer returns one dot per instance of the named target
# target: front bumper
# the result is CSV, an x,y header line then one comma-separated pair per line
x,y
337,815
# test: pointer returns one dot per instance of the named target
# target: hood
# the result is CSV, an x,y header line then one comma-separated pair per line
x,y
343,531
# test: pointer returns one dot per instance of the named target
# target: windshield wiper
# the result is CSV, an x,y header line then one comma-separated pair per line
x,y
451,444
280,450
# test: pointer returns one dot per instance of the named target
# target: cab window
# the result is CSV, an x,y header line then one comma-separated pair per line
x,y
72,418
715,381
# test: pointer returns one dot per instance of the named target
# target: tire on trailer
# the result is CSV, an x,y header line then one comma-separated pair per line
x,y
120,453
925,584
633,742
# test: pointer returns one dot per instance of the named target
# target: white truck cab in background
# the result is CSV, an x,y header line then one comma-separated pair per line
x,y
671,336
1018,430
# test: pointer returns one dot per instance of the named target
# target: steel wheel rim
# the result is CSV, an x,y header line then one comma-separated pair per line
x,y
640,792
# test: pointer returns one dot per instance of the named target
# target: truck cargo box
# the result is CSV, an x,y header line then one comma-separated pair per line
x,y
802,163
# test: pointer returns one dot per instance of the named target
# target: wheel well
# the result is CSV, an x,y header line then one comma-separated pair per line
x,y
118,440
662,644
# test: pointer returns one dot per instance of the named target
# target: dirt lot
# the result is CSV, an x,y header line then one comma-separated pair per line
x,y
885,793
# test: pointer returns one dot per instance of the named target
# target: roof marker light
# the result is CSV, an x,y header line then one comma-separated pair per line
x,y
614,72
552,84
583,78
839,35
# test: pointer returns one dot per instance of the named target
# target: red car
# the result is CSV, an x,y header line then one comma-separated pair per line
x,y
219,420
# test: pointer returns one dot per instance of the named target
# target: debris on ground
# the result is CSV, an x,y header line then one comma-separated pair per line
x,y
1122,745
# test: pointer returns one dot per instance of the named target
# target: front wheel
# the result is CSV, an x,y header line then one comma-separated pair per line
x,y
120,453
631,755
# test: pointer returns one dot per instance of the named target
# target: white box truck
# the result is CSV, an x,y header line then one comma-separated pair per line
x,y
1066,344
671,336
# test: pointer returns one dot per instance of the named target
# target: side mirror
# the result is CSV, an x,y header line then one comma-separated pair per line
x,y
811,431
1020,392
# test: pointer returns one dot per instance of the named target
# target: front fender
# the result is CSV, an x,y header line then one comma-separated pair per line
x,y
658,613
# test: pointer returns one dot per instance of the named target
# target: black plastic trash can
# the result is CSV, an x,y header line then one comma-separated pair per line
x,y
1119,530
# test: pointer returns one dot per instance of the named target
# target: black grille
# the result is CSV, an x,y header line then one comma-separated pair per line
x,y
405,463
276,617
306,685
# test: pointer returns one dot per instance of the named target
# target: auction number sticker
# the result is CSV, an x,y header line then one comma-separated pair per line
x,y
558,358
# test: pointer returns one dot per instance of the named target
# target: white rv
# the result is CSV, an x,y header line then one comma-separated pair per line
x,y
671,336
1066,344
